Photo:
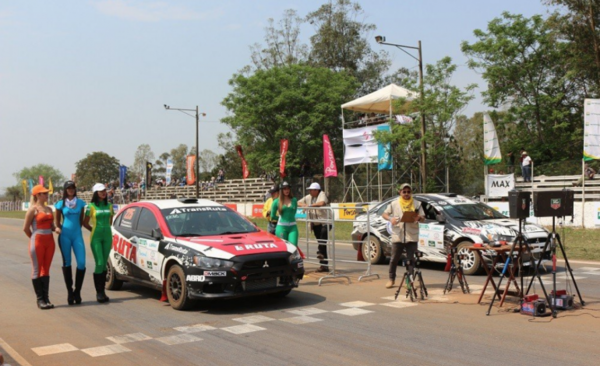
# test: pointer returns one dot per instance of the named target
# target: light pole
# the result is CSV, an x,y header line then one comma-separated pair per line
x,y
381,40
183,110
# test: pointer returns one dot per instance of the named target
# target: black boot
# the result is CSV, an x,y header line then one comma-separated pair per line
x,y
99,281
46,287
39,293
68,275
79,276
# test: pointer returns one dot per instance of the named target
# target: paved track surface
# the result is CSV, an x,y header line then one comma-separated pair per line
x,y
356,323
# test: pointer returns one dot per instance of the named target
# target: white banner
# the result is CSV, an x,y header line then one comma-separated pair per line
x,y
360,145
499,185
591,130
491,146
169,169
596,213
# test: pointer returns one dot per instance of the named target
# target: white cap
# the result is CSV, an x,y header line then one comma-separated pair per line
x,y
98,187
314,186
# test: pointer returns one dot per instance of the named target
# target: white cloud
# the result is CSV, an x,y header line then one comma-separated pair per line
x,y
145,11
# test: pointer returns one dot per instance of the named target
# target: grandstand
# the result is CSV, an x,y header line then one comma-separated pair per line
x,y
557,182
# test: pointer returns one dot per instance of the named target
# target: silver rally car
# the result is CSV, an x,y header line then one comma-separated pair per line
x,y
464,221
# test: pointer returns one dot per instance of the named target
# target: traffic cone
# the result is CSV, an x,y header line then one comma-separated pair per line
x,y
301,253
448,263
163,296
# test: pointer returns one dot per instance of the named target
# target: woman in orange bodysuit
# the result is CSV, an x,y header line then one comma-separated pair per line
x,y
39,225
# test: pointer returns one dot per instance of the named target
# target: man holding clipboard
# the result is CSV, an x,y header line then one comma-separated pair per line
x,y
404,214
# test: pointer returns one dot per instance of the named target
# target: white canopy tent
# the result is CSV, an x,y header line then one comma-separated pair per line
x,y
380,101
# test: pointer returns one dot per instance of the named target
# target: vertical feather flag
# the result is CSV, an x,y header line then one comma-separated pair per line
x,y
41,180
50,186
24,183
245,171
283,149
329,166
491,146
191,175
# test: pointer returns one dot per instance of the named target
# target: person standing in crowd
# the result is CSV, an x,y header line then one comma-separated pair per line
x,y
100,214
404,234
38,226
285,207
274,191
526,166
318,198
511,162
589,173
69,218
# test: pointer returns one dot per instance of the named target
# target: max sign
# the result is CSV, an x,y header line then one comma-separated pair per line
x,y
499,185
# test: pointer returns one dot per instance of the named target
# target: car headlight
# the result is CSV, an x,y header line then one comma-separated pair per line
x,y
295,256
208,262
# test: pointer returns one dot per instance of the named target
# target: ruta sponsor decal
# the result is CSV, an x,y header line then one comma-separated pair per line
x,y
124,248
256,246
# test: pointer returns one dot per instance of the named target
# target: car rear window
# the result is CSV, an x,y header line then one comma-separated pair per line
x,y
206,221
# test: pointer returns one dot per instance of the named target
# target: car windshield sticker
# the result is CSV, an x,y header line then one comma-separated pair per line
x,y
197,209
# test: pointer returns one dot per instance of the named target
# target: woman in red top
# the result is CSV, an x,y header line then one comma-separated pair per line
x,y
39,225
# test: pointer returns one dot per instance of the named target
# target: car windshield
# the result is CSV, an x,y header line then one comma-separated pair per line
x,y
205,221
472,211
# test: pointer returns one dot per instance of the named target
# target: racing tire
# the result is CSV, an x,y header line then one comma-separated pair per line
x,y
177,291
471,263
112,283
377,256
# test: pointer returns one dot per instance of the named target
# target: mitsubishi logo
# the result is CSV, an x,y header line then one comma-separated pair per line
x,y
266,265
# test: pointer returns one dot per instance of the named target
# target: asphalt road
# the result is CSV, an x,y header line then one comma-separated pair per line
x,y
339,322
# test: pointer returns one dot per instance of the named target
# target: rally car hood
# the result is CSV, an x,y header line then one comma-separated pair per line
x,y
508,227
238,244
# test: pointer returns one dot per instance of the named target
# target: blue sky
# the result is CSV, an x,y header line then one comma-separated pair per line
x,y
93,75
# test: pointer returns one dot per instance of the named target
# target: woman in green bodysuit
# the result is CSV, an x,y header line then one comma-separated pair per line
x,y
100,214
285,207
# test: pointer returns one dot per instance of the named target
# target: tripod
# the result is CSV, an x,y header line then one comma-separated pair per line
x,y
413,279
553,239
520,242
456,271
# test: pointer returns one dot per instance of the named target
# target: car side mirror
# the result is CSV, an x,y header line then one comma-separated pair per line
x,y
157,234
441,218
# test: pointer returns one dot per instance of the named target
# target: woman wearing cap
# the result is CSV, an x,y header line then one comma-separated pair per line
x,y
285,207
71,210
38,226
404,234
100,214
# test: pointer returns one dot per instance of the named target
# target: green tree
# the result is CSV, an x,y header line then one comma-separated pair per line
x,y
46,171
340,44
14,193
299,103
179,156
97,167
142,155
229,161
521,60
207,160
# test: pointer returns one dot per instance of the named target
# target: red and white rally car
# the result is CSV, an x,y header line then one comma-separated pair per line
x,y
198,249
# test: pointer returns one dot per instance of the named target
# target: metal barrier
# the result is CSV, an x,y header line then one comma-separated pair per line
x,y
331,243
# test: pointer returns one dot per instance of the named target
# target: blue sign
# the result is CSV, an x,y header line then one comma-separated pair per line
x,y
384,152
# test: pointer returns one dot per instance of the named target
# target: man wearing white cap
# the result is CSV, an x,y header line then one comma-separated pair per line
x,y
526,166
318,198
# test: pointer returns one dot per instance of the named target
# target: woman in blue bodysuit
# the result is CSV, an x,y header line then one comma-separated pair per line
x,y
71,210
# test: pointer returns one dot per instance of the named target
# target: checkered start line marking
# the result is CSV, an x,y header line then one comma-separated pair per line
x,y
302,316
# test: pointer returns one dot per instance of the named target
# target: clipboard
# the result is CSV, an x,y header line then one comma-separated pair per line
x,y
409,217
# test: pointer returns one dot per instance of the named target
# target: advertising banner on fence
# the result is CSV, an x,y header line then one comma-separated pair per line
x,y
431,235
591,129
347,211
596,213
359,145
498,185
257,210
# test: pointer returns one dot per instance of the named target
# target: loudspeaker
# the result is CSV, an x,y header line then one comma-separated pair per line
x,y
553,203
518,204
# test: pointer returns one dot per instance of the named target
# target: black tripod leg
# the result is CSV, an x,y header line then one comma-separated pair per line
x,y
424,293
450,280
562,249
400,287
537,266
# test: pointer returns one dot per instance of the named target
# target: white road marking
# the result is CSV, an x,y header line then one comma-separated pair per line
x,y
14,354
388,298
400,304
54,349
357,304
352,311
178,339
194,328
301,320
253,319
307,311
128,338
242,329
588,269
590,273
105,350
